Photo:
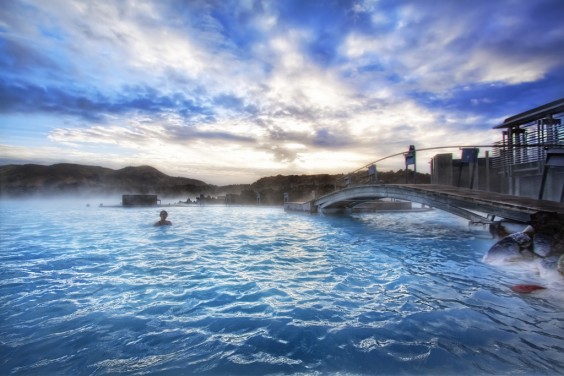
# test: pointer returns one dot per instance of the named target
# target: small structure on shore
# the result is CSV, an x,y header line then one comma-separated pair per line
x,y
139,200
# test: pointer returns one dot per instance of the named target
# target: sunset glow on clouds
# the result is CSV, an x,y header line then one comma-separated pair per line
x,y
230,91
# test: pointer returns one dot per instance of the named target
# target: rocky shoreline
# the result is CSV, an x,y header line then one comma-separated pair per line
x,y
541,242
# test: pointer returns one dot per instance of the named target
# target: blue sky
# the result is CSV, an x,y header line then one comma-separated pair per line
x,y
231,91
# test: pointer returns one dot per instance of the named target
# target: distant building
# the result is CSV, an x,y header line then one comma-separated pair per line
x,y
140,200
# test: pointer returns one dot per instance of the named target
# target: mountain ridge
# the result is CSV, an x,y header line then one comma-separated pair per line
x,y
85,180
68,178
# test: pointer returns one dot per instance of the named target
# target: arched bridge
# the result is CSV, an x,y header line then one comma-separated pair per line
x,y
459,201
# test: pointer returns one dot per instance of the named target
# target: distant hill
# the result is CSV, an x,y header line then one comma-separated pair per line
x,y
73,179
66,178
298,187
304,187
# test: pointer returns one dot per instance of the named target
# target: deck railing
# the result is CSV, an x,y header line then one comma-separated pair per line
x,y
528,146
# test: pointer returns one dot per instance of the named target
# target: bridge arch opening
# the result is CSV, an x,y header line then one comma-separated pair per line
x,y
345,200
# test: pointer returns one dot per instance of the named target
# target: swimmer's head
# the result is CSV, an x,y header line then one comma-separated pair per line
x,y
163,214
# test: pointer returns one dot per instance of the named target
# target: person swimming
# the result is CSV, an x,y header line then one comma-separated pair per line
x,y
163,221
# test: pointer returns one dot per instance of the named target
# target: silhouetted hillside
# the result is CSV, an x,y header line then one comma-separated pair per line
x,y
65,178
304,187
298,187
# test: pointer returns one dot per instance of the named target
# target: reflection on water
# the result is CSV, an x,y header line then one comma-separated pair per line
x,y
234,290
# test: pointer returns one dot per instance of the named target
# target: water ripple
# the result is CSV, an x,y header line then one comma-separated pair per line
x,y
259,291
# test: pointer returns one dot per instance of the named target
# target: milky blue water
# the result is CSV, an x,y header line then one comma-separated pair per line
x,y
242,291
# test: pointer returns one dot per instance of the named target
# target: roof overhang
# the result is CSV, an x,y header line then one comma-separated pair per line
x,y
533,115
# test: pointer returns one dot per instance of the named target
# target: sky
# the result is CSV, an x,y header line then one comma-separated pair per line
x,y
231,91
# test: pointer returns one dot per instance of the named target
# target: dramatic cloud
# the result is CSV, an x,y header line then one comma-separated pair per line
x,y
229,91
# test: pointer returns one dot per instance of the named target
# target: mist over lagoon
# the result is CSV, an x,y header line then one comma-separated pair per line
x,y
228,113
255,290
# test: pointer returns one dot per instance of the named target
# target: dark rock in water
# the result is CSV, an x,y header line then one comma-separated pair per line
x,y
542,241
560,265
527,254
548,223
549,263
508,249
522,239
542,245
557,247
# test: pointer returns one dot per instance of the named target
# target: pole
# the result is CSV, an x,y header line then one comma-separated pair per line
x,y
487,170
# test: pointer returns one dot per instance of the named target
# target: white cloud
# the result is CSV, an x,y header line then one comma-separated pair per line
x,y
491,67
435,52
267,105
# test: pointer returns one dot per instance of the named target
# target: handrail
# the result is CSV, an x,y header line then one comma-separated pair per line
x,y
495,145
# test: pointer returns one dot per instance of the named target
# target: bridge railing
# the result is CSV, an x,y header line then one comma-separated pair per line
x,y
532,149
363,175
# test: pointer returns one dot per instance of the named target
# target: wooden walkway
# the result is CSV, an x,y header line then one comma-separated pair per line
x,y
460,201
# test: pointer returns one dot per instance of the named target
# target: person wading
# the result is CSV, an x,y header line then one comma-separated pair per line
x,y
163,221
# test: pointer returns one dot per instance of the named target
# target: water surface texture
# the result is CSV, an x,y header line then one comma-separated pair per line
x,y
241,291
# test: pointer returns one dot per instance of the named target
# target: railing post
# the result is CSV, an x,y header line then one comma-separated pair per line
x,y
488,170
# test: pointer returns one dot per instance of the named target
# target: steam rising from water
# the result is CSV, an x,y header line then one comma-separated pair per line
x,y
258,291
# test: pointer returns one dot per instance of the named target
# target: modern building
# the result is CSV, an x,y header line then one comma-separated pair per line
x,y
528,161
